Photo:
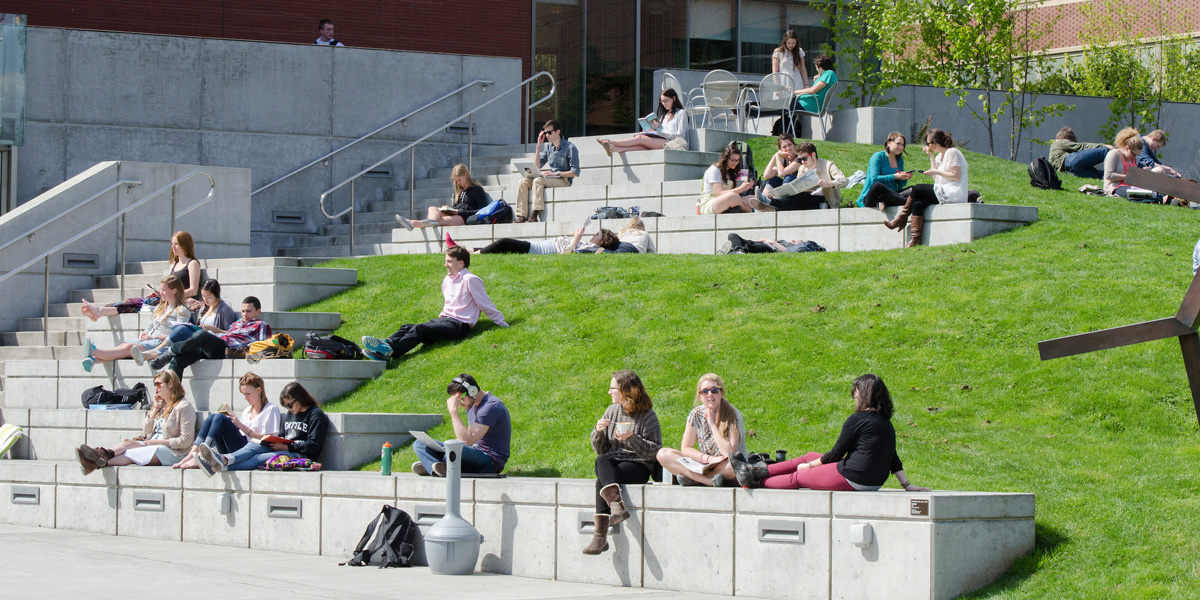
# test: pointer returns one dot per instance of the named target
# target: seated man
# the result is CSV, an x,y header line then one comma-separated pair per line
x,y
739,245
487,433
824,180
1069,155
558,160
203,344
465,297
1148,158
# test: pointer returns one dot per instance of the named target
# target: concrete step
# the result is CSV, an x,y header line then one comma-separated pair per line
x,y
37,338
328,252
360,229
158,267
344,239
8,353
111,331
75,323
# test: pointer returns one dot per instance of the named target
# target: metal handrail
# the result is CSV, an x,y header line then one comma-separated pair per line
x,y
29,234
402,120
469,115
45,256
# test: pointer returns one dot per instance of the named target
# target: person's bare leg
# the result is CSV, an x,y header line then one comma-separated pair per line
x,y
89,311
640,142
110,354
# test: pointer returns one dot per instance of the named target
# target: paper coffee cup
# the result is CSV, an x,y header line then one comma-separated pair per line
x,y
624,427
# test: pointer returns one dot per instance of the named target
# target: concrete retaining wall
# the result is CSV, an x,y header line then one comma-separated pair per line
x,y
931,545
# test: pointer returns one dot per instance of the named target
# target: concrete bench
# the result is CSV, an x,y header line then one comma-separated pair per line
x,y
729,541
845,230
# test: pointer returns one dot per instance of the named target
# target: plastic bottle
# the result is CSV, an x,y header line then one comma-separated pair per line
x,y
386,456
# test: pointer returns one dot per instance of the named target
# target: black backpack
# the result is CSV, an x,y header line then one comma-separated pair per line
x,y
389,541
1042,175
99,395
331,347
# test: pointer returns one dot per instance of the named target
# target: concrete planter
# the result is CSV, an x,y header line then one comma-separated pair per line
x,y
869,125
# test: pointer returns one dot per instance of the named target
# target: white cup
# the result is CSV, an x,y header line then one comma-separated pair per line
x,y
624,427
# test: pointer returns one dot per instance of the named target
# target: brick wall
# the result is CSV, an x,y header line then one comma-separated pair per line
x,y
1072,21
482,27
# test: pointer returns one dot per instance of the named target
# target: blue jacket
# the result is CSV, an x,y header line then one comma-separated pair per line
x,y
879,170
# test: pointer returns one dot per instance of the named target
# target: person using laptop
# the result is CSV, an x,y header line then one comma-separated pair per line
x,y
486,433
558,161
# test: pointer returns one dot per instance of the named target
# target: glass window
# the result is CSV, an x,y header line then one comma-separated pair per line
x,y
814,37
763,24
12,80
611,63
712,35
664,44
558,48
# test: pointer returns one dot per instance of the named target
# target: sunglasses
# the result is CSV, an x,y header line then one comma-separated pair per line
x,y
805,157
711,390
159,383
247,379
286,404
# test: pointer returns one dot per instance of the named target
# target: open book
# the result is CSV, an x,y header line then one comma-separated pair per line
x,y
274,439
799,185
651,125
699,467
226,409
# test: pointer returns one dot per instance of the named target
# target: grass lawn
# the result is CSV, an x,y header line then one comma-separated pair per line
x,y
1107,441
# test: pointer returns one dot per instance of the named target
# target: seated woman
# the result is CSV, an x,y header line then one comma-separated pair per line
x,y
861,459
674,122
948,167
825,190
304,427
1069,155
886,177
782,166
626,440
1123,157
635,238
226,433
603,240
469,198
739,245
216,317
718,194
169,313
167,432
183,265
812,98
714,431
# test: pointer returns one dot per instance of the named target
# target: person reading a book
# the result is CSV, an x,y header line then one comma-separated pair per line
x,y
304,428
563,244
626,440
225,433
818,181
465,298
714,431
718,190
182,264
948,167
167,432
789,58
886,177
667,128
558,161
861,459
169,313
202,344
1117,164
469,198
486,433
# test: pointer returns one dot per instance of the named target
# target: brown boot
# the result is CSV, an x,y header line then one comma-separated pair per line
x,y
611,494
901,217
915,231
599,536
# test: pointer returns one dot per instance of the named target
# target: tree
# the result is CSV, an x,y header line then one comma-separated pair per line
x,y
867,41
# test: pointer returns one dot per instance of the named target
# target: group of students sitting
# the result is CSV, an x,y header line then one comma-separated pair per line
x,y
189,321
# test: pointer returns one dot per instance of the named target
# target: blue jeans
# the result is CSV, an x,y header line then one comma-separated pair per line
x,y
774,182
1084,163
181,333
252,456
473,460
220,434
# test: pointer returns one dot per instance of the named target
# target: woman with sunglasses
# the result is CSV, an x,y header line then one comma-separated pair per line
x,y
861,459
714,432
304,428
226,433
166,432
827,180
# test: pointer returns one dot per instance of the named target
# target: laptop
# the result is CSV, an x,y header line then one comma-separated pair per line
x,y
526,168
424,437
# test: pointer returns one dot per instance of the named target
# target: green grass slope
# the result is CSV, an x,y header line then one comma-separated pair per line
x,y
1107,441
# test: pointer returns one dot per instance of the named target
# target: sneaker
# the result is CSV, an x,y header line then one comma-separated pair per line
x,y
377,346
373,356
136,354
89,347
718,480
450,243
725,248
419,469
162,361
439,469
210,461
88,363
405,222
685,481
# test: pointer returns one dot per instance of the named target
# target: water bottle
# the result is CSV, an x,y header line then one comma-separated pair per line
x,y
744,175
635,211
780,455
386,456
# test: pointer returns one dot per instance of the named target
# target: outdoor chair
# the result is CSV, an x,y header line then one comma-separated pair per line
x,y
774,97
824,109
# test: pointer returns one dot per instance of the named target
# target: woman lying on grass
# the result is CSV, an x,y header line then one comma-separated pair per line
x,y
167,432
603,240
226,433
861,459
713,433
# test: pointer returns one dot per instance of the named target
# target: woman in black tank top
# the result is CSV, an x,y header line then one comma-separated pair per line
x,y
183,264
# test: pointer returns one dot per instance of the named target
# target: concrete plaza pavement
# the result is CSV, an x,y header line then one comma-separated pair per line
x,y
54,563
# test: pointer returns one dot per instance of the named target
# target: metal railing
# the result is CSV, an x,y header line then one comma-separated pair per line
x,y
412,167
401,120
45,256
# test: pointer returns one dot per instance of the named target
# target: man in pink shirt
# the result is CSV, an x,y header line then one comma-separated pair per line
x,y
465,299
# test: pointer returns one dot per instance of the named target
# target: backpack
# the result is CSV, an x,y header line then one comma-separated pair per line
x,y
389,541
747,158
279,345
612,212
497,212
124,396
1042,175
317,346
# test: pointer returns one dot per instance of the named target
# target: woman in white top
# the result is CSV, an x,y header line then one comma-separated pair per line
x,y
226,433
635,235
674,122
948,167
170,312
718,193
789,58
714,431
603,240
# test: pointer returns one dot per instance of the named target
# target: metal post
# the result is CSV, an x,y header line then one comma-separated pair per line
x,y
470,141
351,218
412,182
123,255
172,232
46,305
